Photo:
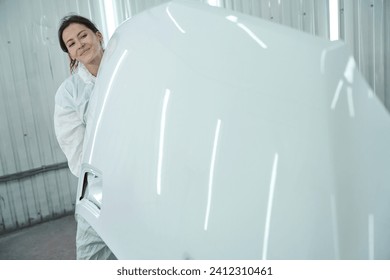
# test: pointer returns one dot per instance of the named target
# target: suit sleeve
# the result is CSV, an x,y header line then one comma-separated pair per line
x,y
69,128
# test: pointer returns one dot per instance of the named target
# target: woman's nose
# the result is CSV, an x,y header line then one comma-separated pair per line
x,y
80,44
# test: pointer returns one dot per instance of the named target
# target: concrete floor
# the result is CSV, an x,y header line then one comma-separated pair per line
x,y
52,240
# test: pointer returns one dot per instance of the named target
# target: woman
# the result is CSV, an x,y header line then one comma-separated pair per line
x,y
83,42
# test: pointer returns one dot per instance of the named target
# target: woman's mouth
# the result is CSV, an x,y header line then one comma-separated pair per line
x,y
84,52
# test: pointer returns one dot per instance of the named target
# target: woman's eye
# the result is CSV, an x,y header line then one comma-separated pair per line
x,y
70,45
84,35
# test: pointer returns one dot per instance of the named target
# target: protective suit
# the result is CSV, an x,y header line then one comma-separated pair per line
x,y
70,119
70,115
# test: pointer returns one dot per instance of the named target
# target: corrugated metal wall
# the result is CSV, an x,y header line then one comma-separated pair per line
x,y
365,27
35,184
307,15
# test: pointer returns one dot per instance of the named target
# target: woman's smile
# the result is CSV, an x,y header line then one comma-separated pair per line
x,y
83,52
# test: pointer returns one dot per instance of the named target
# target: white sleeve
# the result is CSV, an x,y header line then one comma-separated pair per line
x,y
69,129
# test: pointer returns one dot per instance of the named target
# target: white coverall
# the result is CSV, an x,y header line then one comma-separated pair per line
x,y
70,118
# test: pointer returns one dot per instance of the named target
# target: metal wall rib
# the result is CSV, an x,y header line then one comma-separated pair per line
x,y
365,27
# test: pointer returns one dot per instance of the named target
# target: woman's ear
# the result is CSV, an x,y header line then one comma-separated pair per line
x,y
100,36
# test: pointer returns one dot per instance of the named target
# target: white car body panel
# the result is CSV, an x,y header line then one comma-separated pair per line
x,y
216,135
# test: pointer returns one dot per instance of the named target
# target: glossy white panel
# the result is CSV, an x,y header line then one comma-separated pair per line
x,y
272,147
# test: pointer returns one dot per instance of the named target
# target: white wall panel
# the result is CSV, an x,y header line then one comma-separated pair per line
x,y
307,15
125,9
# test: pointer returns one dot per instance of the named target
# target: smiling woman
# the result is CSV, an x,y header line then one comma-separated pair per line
x,y
80,38
78,35
84,46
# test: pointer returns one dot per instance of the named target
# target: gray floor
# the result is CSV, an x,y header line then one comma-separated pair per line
x,y
53,240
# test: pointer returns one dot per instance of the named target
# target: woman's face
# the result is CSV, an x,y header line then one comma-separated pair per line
x,y
83,44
